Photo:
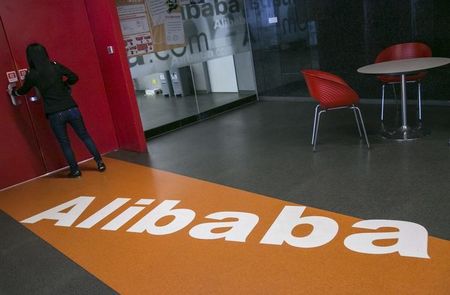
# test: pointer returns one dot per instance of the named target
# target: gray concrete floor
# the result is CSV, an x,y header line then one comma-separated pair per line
x,y
29,265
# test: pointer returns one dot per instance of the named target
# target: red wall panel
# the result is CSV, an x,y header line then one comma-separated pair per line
x,y
20,156
64,29
118,83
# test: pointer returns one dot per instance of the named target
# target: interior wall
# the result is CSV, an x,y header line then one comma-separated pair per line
x,y
116,74
244,71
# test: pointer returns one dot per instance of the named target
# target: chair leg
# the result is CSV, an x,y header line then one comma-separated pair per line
x,y
419,100
363,127
382,102
314,125
317,130
357,122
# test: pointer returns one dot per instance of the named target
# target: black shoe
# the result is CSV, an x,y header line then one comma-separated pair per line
x,y
101,166
74,174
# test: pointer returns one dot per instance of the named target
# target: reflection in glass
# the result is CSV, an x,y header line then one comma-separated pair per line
x,y
214,69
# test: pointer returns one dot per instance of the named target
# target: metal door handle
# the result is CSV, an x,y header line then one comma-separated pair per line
x,y
14,100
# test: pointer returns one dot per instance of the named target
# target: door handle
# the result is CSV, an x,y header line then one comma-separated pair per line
x,y
14,100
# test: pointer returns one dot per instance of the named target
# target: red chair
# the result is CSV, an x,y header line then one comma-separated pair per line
x,y
332,93
403,51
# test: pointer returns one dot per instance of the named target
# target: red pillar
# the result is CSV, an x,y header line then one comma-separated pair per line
x,y
116,74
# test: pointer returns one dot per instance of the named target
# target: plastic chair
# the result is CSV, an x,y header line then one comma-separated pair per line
x,y
332,93
403,51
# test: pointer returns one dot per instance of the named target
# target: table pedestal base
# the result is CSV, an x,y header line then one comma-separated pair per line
x,y
405,133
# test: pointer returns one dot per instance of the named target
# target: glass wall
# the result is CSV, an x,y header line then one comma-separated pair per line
x,y
340,36
212,72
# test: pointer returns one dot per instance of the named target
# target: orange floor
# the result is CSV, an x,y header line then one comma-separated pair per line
x,y
220,240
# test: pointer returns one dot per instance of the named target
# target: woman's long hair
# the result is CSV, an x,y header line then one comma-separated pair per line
x,y
39,61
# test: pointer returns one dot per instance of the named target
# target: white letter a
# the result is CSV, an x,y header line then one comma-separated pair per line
x,y
64,219
412,238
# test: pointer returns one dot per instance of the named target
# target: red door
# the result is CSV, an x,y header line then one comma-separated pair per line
x,y
20,155
63,28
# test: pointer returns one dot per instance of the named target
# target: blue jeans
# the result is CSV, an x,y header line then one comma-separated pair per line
x,y
72,116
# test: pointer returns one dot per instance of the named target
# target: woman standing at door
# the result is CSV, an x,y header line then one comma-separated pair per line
x,y
53,81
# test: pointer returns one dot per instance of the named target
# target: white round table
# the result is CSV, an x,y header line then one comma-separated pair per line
x,y
402,67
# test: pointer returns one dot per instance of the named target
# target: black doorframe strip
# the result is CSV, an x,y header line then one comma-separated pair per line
x,y
198,117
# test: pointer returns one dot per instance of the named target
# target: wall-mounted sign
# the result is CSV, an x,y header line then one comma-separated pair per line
x,y
135,27
12,76
166,24
22,73
173,27
158,10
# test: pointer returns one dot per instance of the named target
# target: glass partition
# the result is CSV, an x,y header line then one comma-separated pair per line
x,y
211,73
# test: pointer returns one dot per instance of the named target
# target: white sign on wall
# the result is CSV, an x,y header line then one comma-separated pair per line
x,y
135,29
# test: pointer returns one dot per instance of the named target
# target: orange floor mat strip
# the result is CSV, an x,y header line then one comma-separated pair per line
x,y
161,259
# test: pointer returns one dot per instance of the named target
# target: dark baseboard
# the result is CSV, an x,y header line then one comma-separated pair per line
x,y
201,116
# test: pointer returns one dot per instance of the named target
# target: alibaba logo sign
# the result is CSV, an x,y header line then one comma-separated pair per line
x,y
411,239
